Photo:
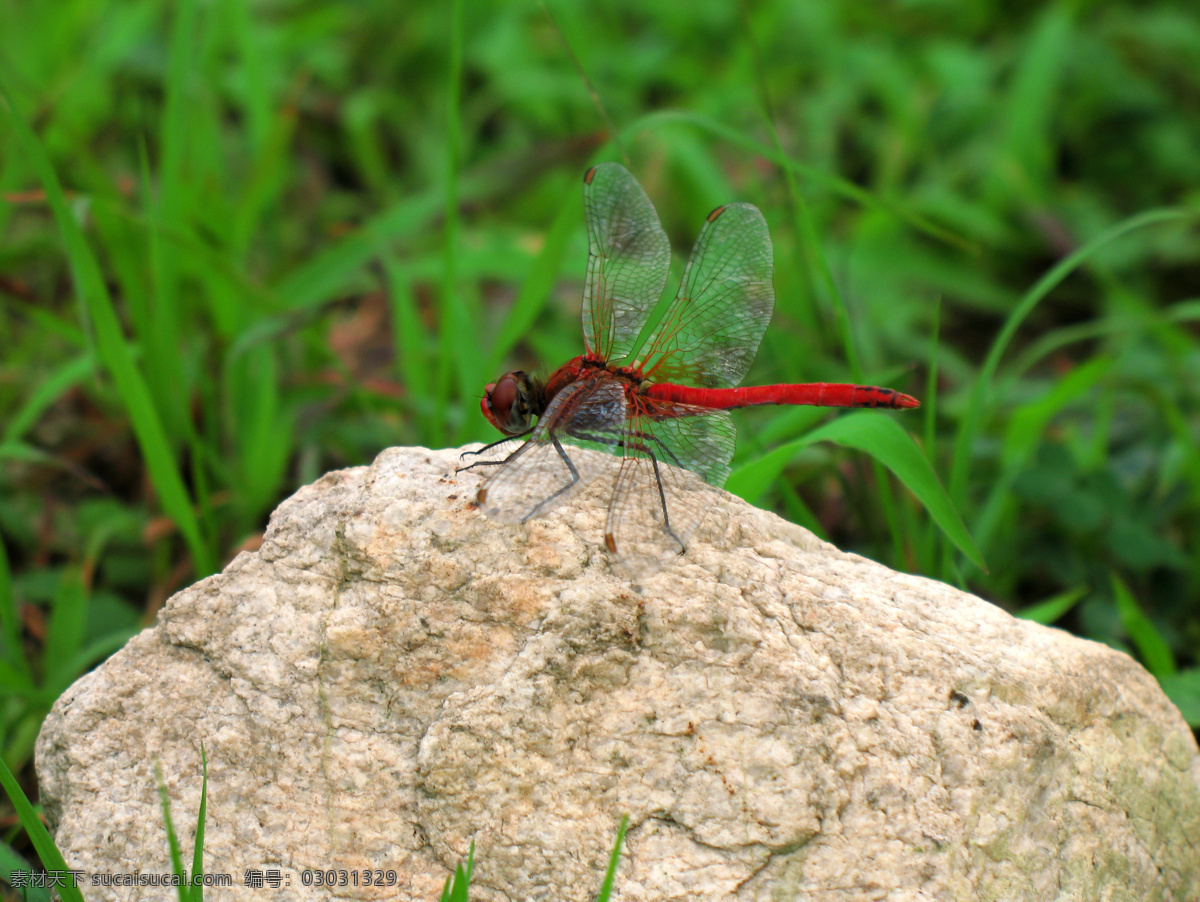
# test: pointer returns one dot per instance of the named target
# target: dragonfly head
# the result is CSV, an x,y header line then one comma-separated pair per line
x,y
509,402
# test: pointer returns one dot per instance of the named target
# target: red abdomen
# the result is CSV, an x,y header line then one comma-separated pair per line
x,y
817,394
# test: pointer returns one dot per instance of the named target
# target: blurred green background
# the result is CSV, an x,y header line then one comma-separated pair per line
x,y
291,234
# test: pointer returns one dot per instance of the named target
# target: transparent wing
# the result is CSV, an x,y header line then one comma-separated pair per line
x,y
628,260
676,459
543,473
712,329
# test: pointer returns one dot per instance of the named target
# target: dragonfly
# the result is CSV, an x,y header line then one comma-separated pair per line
x,y
657,410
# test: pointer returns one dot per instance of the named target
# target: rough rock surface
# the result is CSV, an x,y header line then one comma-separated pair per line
x,y
393,676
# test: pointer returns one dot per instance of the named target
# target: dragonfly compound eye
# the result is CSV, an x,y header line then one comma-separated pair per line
x,y
505,405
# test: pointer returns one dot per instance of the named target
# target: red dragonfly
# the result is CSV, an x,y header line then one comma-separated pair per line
x,y
661,414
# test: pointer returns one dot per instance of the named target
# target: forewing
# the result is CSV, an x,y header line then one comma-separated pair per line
x,y
671,475
628,260
543,473
712,329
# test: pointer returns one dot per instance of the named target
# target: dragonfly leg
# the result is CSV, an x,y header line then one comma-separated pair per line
x,y
599,439
482,463
662,447
574,479
641,448
486,448
662,499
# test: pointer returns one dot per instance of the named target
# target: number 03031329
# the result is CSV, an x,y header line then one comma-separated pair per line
x,y
343,877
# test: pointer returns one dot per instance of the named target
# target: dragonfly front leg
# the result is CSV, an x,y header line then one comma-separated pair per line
x,y
486,448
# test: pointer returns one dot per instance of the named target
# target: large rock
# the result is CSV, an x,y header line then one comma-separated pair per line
x,y
393,676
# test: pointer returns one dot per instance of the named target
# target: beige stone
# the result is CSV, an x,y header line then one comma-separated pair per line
x,y
392,675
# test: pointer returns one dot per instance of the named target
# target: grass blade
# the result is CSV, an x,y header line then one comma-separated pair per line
x,y
62,380
11,862
412,341
839,186
880,437
38,834
113,351
455,889
318,280
12,648
539,283
978,404
1183,689
1033,99
64,632
929,549
164,801
161,331
1152,647
1025,428
609,876
1048,611
455,323
197,889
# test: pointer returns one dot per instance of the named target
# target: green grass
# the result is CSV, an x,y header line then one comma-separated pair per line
x,y
189,889
51,859
243,245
